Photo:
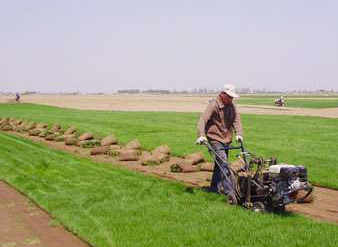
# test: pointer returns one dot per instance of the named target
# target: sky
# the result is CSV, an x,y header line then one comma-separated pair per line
x,y
109,45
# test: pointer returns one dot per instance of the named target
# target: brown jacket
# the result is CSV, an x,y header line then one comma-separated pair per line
x,y
218,122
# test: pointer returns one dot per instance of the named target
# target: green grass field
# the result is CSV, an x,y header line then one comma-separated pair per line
x,y
110,206
300,140
290,102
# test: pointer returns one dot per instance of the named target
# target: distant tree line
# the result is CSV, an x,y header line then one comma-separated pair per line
x,y
135,91
213,91
193,91
129,91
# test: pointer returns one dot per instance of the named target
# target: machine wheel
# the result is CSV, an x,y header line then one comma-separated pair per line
x,y
279,209
258,207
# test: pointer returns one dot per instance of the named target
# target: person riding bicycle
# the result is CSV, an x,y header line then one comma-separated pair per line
x,y
216,125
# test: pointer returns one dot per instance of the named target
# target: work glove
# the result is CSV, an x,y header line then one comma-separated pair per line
x,y
239,138
201,140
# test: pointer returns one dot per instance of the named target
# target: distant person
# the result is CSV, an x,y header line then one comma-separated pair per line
x,y
17,97
280,101
216,125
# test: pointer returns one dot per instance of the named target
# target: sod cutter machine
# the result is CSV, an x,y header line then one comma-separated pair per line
x,y
262,184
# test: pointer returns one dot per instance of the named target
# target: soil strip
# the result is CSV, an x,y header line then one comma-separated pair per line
x,y
25,224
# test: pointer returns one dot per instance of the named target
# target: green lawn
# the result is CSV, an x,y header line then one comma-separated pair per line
x,y
300,140
110,206
291,102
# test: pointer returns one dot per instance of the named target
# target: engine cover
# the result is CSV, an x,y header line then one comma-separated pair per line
x,y
288,172
291,173
274,170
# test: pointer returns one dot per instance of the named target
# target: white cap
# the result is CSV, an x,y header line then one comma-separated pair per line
x,y
230,90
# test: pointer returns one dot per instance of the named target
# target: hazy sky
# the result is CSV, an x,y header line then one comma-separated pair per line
x,y
107,45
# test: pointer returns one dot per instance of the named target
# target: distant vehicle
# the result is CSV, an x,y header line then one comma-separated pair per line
x,y
280,101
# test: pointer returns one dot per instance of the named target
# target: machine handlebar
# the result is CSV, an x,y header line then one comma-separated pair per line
x,y
228,148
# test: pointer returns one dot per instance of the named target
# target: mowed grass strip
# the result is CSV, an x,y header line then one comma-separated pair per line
x,y
110,206
291,102
299,140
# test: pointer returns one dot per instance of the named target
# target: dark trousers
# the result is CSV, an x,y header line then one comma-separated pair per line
x,y
218,179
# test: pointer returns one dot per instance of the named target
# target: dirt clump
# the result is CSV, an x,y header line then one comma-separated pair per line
x,y
129,155
161,157
55,128
17,122
195,158
206,166
133,145
29,126
51,137
88,143
109,140
70,130
70,140
86,136
43,133
113,150
149,160
162,149
42,125
35,132
182,165
99,150
4,120
60,138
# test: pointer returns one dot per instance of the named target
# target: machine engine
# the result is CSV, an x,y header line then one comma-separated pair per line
x,y
274,187
283,182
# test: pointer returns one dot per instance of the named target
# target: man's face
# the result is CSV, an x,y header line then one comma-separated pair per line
x,y
226,99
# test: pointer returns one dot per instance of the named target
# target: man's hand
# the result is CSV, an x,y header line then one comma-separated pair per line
x,y
239,138
201,140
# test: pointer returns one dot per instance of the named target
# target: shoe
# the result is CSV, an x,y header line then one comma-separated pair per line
x,y
232,199
210,189
220,190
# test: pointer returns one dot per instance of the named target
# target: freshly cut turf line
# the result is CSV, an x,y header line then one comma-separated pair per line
x,y
308,141
110,206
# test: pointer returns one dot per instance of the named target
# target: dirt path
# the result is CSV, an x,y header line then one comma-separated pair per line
x,y
172,102
325,206
266,110
24,224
